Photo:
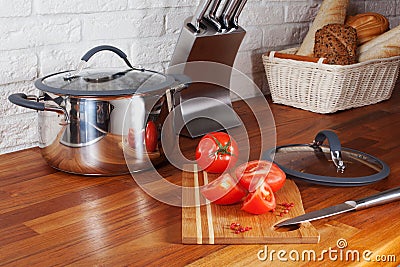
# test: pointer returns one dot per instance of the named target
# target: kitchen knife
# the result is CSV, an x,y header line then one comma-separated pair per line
x,y
227,13
352,205
238,11
212,15
198,16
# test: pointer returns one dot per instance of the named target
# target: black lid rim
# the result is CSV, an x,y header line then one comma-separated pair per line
x,y
142,90
329,180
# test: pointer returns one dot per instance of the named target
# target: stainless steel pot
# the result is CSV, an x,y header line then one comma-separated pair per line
x,y
97,122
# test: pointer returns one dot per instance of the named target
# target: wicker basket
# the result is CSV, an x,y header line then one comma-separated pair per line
x,y
324,88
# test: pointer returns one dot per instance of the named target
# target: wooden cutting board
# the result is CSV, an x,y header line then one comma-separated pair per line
x,y
209,223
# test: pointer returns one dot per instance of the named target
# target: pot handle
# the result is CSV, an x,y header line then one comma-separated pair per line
x,y
99,48
334,146
21,99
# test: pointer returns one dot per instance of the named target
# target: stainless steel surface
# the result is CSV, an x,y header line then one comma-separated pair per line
x,y
210,46
199,14
319,214
378,199
92,137
101,126
351,205
238,11
212,15
227,14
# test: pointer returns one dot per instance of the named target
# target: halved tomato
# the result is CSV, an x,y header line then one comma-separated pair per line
x,y
224,190
253,173
260,201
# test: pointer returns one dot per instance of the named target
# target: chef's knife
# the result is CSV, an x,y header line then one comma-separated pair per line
x,y
212,14
238,11
198,16
352,205
227,13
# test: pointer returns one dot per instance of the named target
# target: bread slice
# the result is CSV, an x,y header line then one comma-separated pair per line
x,y
337,43
330,12
383,46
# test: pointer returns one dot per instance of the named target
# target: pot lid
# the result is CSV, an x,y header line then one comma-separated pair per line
x,y
106,81
328,164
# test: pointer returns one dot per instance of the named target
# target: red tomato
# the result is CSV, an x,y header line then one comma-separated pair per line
x,y
260,201
151,138
224,190
252,173
217,152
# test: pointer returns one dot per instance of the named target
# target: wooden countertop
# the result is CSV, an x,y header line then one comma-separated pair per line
x,y
49,217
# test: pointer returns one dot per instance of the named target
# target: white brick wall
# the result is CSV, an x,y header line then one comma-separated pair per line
x,y
38,37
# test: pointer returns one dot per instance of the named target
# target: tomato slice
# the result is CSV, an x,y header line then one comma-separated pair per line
x,y
151,137
253,173
217,152
224,190
260,201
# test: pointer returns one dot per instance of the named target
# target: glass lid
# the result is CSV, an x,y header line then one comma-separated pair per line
x,y
328,164
106,81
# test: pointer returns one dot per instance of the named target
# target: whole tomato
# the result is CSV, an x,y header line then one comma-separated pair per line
x,y
217,152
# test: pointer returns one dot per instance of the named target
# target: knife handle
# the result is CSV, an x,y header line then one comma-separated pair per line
x,y
378,199
227,13
239,9
198,16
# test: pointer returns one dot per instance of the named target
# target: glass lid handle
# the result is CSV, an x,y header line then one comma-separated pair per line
x,y
75,74
334,146
99,48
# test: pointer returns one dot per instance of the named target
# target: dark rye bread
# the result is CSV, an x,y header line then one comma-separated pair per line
x,y
337,43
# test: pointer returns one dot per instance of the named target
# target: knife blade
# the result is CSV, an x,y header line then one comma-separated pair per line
x,y
238,11
199,14
352,205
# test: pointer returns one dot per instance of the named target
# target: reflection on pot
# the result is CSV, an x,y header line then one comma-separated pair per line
x,y
94,139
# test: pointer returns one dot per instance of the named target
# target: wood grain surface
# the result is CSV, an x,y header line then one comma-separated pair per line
x,y
51,218
210,223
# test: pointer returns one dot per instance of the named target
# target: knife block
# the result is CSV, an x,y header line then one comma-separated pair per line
x,y
210,108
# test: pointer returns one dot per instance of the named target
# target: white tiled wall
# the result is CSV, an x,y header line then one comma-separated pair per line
x,y
39,37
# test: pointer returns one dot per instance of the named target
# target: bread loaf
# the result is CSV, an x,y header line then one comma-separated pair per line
x,y
330,12
337,43
383,46
368,25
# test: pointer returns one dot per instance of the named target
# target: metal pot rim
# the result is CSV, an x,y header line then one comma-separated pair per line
x,y
39,84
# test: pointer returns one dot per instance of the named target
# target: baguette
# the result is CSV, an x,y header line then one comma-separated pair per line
x,y
330,12
383,46
368,25
298,58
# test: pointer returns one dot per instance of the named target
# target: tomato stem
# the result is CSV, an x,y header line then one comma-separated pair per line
x,y
222,149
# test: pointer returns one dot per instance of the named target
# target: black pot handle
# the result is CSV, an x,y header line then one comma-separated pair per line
x,y
117,51
21,99
334,146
